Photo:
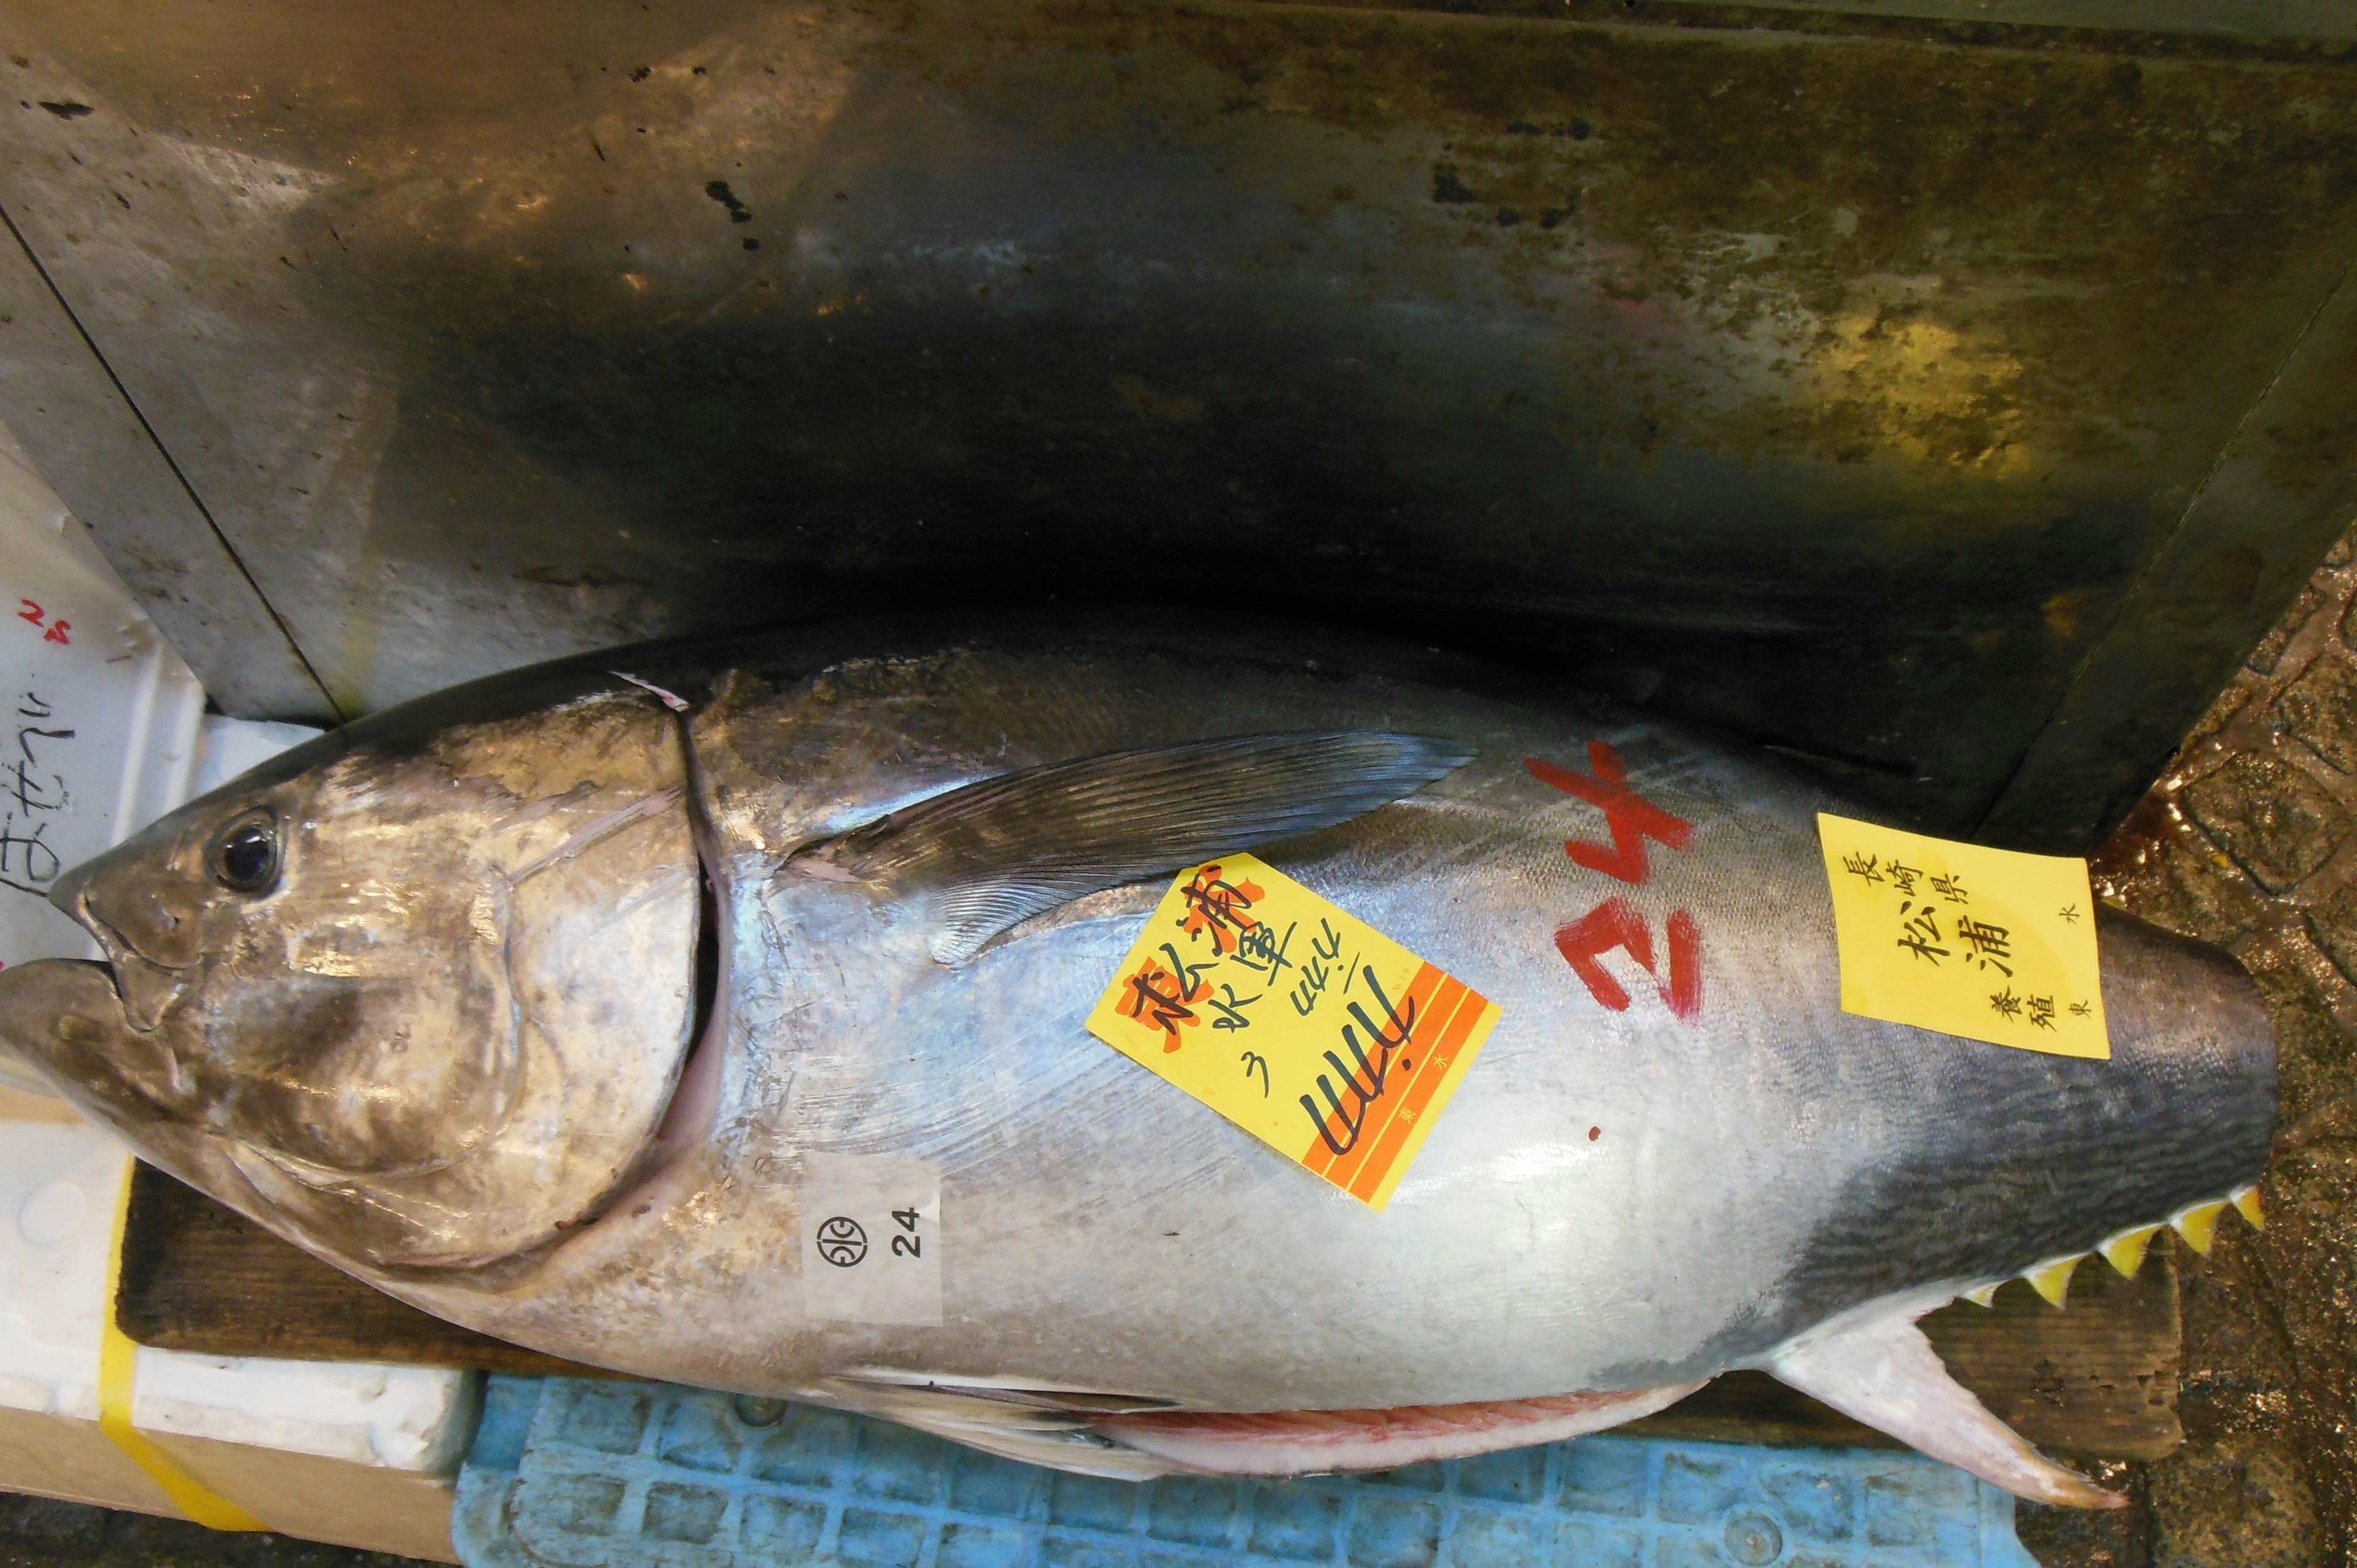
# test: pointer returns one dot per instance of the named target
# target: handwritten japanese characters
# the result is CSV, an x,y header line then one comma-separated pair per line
x,y
32,793
1614,922
1302,1026
1985,943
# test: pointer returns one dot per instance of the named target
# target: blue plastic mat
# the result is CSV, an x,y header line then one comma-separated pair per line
x,y
590,1475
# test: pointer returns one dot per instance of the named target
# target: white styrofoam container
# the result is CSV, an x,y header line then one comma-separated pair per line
x,y
98,714
98,718
61,1187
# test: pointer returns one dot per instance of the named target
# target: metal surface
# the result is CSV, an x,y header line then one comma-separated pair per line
x,y
74,420
2317,20
2246,539
1860,382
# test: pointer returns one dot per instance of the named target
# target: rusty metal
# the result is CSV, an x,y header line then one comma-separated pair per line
x,y
1946,398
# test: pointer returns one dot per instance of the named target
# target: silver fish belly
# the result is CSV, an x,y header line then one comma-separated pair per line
x,y
926,851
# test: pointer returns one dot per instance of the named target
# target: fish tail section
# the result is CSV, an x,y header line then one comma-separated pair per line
x,y
1877,1367
2012,1164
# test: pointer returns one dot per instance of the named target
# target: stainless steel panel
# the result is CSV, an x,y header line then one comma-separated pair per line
x,y
72,419
2334,21
1838,379
2248,539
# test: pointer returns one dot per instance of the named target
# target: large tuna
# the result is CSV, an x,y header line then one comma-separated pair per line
x,y
544,1003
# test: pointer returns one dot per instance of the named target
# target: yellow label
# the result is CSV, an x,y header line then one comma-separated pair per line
x,y
1986,943
1310,1030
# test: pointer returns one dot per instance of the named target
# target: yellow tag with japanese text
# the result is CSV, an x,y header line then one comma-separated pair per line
x,y
1310,1030
1987,943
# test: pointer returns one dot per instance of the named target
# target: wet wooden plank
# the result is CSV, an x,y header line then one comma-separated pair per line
x,y
2099,1380
199,1277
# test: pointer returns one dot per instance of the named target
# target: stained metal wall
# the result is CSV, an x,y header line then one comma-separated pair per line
x,y
1952,399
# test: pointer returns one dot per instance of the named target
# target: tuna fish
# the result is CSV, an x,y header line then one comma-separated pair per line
x,y
561,1004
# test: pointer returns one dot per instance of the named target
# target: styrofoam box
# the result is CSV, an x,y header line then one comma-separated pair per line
x,y
353,1452
98,714
62,1184
105,730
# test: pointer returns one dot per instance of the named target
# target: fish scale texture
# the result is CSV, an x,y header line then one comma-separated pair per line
x,y
594,1475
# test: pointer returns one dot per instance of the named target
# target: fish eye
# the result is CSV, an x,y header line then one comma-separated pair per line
x,y
245,857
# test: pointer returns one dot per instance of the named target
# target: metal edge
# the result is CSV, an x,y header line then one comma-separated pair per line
x,y
73,418
2279,495
2313,21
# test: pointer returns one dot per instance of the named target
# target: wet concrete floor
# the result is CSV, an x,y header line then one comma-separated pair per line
x,y
36,1533
2250,840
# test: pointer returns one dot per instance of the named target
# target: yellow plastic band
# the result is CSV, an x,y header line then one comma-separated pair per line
x,y
118,1362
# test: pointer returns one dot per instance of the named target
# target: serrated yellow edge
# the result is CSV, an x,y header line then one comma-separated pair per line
x,y
2052,1279
2125,1251
2199,1224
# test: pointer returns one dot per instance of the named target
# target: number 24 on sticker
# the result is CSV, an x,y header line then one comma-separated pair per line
x,y
852,1206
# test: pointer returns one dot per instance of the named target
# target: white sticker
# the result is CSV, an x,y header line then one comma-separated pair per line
x,y
871,1239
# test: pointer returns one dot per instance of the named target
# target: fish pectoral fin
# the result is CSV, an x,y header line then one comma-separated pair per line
x,y
1323,1442
1877,1367
991,854
996,1421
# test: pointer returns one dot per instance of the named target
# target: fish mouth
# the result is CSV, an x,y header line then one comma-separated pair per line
x,y
66,1018
147,986
147,989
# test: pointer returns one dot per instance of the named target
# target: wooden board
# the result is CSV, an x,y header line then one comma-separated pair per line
x,y
2098,1381
197,1276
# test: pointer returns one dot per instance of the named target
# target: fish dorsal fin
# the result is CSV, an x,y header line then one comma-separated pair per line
x,y
1874,1364
991,853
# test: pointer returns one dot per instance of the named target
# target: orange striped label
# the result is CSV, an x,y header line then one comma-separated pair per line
x,y
1301,1023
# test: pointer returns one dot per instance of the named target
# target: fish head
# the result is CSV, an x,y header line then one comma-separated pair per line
x,y
417,1000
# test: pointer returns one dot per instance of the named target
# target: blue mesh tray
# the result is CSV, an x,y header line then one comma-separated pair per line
x,y
576,1474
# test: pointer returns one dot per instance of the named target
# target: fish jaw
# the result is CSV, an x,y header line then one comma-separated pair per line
x,y
67,1018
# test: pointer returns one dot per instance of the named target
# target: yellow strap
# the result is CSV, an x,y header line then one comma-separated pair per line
x,y
118,1362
